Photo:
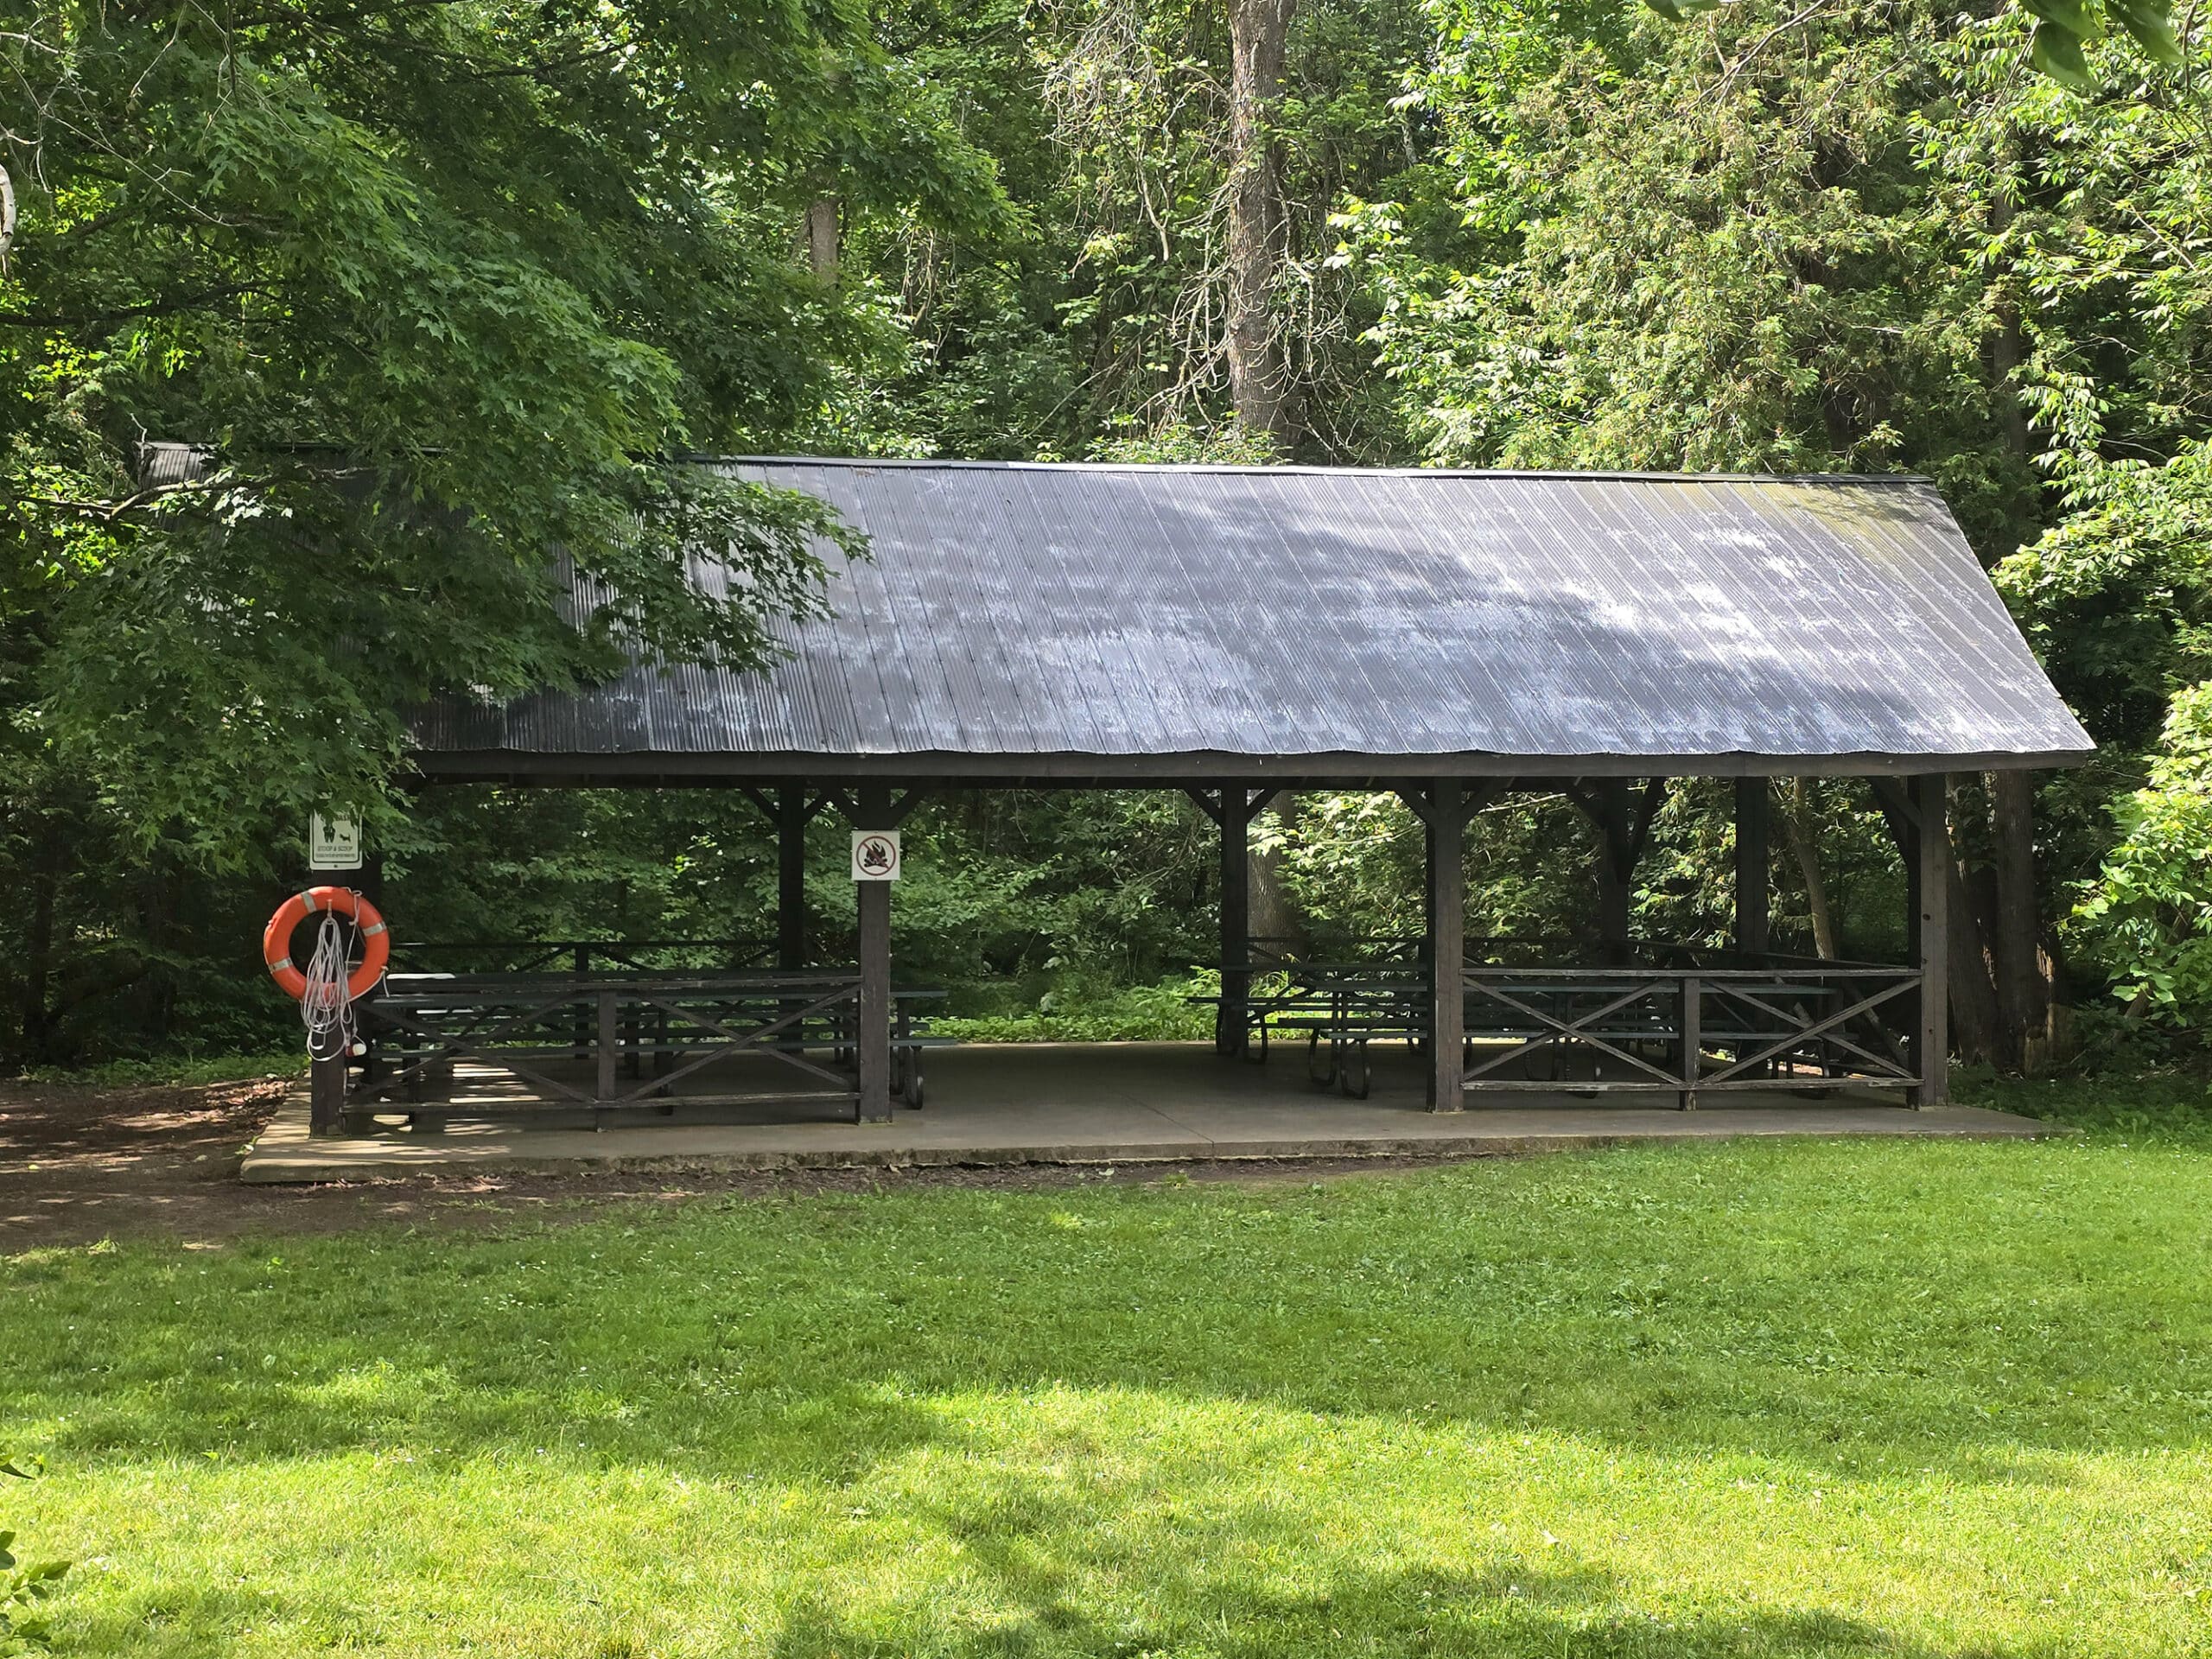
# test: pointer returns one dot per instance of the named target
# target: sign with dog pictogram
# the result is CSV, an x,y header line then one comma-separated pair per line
x,y
334,840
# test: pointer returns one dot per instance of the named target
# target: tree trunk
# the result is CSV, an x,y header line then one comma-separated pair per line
x,y
2021,967
1273,917
1804,846
819,237
1977,1024
1259,31
1976,1032
2016,953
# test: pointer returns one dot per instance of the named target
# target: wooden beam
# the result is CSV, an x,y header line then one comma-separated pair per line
x,y
1753,866
1608,807
1474,795
1334,770
1930,867
1447,946
1623,830
791,814
1647,810
1236,920
1898,812
1207,801
1423,803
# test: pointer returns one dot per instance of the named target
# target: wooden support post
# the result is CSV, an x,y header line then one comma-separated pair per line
x,y
1692,1041
791,877
1752,903
872,1039
582,1035
1428,906
1447,946
1623,827
607,1047
326,1080
325,1095
1929,869
1613,882
1230,1035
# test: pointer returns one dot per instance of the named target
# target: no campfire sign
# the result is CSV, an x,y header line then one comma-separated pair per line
x,y
876,854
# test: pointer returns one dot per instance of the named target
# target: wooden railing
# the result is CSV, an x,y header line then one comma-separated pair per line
x,y
1687,1022
608,1043
1690,1031
580,956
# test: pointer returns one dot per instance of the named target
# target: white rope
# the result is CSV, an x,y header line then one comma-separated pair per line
x,y
327,1005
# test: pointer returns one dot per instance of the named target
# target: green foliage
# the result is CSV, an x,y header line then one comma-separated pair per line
x,y
2147,916
2062,29
1673,269
2149,1107
1079,1012
442,289
2117,598
1140,129
24,1589
445,290
175,1072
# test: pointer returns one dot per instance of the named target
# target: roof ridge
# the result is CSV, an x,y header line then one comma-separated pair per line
x,y
1597,475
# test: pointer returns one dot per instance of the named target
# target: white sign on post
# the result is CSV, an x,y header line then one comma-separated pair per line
x,y
876,854
334,842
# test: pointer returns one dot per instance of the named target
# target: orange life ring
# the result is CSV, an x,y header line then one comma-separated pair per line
x,y
276,939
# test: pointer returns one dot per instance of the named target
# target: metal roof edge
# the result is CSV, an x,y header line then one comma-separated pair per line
x,y
1177,768
205,448
1298,468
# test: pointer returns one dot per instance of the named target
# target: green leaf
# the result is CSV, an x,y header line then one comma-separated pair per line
x,y
2077,17
2057,53
1666,8
2152,28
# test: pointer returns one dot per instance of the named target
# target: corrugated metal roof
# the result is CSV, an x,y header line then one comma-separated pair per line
x,y
1140,613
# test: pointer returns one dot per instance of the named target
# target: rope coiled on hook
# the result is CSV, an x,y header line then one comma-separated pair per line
x,y
326,1009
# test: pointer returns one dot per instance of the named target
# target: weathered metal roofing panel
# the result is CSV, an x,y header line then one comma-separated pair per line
x,y
1015,611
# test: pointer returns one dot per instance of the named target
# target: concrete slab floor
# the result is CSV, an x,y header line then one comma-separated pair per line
x,y
1100,1103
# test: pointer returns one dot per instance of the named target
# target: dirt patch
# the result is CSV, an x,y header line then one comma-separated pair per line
x,y
79,1165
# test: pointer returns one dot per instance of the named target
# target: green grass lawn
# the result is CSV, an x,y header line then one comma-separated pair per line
x,y
1757,1398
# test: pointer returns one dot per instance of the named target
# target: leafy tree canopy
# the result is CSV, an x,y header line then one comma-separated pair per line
x,y
444,288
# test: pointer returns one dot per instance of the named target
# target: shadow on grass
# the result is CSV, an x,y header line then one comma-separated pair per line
x,y
1512,1608
1926,1302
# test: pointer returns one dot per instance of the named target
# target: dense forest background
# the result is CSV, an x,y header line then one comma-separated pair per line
x,y
379,255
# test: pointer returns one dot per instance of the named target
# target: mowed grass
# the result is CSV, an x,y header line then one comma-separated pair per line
x,y
1794,1398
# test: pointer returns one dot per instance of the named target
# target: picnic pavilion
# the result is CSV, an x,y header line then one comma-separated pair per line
x,y
1235,632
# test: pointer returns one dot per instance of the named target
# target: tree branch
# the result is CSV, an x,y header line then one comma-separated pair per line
x,y
119,313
